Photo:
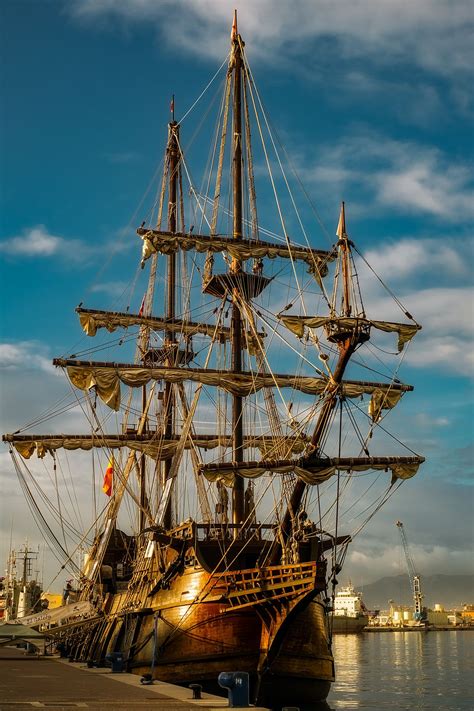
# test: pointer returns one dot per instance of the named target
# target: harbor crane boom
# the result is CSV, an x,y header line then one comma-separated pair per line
x,y
412,574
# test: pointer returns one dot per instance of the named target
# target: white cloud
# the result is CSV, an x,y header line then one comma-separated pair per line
x,y
447,318
416,102
34,242
445,312
427,421
112,288
369,566
424,185
452,354
402,175
435,36
440,257
25,355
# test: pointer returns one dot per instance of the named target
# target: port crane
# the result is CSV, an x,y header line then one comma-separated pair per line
x,y
415,579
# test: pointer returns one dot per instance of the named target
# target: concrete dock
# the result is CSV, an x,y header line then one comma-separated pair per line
x,y
31,682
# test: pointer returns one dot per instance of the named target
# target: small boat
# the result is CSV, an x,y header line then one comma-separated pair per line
x,y
233,416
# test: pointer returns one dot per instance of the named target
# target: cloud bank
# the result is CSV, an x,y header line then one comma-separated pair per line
x,y
402,175
22,355
434,36
37,242
446,312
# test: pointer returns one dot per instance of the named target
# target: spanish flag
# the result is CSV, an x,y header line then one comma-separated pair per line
x,y
107,484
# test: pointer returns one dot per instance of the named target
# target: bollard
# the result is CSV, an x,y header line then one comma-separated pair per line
x,y
196,689
62,649
116,660
237,685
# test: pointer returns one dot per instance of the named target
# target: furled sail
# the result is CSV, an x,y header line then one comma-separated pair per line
x,y
241,249
106,378
297,324
93,319
154,445
311,470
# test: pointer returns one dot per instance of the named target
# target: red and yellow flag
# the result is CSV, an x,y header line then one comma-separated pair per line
x,y
107,484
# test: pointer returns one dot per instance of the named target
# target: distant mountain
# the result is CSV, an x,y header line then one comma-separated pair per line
x,y
448,590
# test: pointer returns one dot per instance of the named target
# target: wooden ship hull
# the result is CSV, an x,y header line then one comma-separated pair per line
x,y
187,625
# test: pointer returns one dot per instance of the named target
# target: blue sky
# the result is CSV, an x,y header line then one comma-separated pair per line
x,y
373,101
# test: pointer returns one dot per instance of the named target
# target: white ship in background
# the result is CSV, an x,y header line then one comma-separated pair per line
x,y
20,591
350,613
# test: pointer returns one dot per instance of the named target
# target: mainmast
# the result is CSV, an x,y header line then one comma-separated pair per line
x,y
170,337
235,268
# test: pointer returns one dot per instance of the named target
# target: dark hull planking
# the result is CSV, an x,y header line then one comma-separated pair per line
x,y
347,625
194,642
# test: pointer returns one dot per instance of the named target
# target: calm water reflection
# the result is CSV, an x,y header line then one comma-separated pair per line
x,y
412,671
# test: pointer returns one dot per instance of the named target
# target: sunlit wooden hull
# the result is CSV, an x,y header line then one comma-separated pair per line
x,y
210,642
193,642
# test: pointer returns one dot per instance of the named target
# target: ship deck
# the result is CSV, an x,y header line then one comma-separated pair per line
x,y
31,682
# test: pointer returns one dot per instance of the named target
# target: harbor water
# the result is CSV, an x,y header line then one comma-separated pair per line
x,y
416,671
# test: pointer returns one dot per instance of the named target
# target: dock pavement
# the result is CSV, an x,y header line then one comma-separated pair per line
x,y
29,682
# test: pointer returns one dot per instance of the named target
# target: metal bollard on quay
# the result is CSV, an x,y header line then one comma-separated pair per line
x,y
117,662
237,685
196,689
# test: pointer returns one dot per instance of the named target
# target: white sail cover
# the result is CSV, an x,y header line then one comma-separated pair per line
x,y
297,324
226,472
91,321
242,249
107,380
156,447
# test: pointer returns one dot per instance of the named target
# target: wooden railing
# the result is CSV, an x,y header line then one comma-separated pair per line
x,y
256,586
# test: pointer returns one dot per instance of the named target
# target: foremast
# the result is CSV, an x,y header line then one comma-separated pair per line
x,y
347,341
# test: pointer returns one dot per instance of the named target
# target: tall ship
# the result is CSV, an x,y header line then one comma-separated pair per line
x,y
237,416
350,613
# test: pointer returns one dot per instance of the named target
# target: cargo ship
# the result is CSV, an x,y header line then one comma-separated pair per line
x,y
349,614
